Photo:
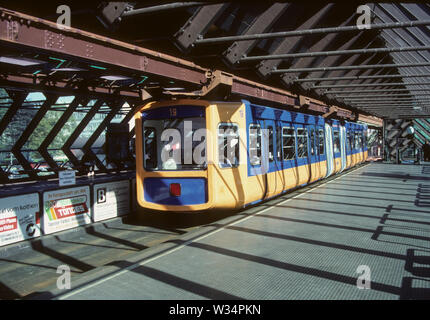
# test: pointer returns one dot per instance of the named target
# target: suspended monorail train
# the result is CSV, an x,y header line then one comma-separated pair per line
x,y
195,155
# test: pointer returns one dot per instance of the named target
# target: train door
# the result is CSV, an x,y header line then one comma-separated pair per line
x,y
279,158
273,176
336,147
314,166
290,162
359,146
343,148
303,157
229,173
348,146
353,147
321,151
329,149
258,150
352,142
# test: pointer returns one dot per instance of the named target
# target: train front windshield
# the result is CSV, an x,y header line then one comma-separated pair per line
x,y
174,144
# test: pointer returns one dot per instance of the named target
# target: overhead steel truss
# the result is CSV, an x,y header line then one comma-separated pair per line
x,y
318,47
40,56
317,43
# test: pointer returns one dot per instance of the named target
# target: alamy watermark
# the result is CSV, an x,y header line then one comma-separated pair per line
x,y
363,21
179,148
364,279
64,280
64,20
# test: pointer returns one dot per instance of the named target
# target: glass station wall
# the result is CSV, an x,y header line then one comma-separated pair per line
x,y
12,130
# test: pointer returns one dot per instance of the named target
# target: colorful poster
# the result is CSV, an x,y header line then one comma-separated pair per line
x,y
111,199
66,208
19,218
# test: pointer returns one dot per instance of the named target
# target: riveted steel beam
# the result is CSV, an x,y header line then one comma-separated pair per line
x,y
198,24
35,34
62,87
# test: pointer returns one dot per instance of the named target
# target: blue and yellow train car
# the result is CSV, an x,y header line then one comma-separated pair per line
x,y
195,155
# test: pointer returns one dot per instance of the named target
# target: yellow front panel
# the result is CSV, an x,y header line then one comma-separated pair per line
x,y
141,173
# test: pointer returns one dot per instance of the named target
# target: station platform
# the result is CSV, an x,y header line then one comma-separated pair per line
x,y
309,244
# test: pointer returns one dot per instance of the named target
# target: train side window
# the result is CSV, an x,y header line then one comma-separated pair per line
x,y
149,148
302,142
278,143
271,144
255,144
321,141
289,143
336,142
228,145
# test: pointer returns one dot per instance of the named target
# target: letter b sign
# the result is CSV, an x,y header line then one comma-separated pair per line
x,y
101,195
